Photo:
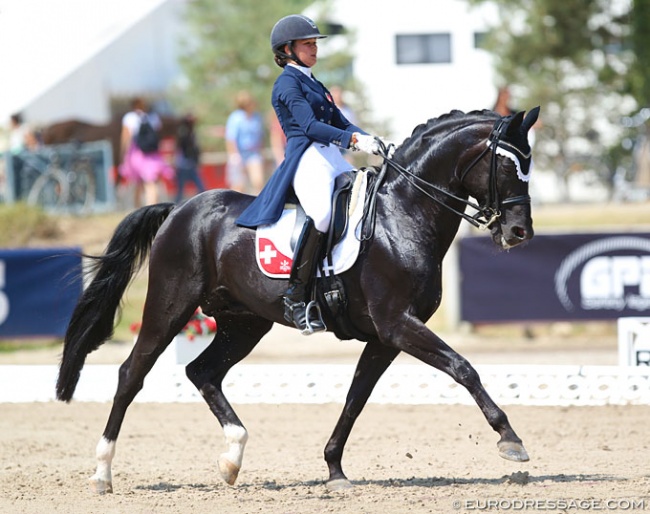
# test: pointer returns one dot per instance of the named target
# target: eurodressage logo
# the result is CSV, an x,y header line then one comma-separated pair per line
x,y
607,281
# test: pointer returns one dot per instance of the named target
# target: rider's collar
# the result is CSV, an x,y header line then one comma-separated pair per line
x,y
303,69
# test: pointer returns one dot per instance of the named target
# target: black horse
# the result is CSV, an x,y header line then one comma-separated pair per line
x,y
199,257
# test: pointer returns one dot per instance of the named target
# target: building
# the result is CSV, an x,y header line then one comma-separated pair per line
x,y
71,58
66,59
418,59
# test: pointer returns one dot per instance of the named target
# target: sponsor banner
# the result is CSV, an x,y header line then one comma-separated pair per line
x,y
556,277
39,288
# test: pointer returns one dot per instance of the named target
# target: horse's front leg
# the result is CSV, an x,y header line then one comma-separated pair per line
x,y
236,336
412,336
374,360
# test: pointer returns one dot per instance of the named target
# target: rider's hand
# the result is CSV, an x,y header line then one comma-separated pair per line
x,y
363,143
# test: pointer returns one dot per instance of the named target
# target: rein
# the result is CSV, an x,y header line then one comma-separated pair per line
x,y
486,214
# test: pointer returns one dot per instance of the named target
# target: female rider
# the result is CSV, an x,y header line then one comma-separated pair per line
x,y
315,128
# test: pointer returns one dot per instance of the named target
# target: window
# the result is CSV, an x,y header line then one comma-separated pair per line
x,y
479,40
423,48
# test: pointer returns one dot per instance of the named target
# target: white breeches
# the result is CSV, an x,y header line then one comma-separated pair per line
x,y
314,181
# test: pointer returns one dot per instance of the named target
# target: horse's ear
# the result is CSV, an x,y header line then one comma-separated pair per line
x,y
530,119
515,123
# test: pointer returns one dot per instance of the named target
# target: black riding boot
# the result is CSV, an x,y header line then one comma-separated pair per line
x,y
297,306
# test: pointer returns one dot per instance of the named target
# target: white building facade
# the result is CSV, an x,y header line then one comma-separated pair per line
x,y
418,59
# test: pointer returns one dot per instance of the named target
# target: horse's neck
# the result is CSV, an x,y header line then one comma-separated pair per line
x,y
433,225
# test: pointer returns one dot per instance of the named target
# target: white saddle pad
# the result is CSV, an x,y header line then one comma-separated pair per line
x,y
273,242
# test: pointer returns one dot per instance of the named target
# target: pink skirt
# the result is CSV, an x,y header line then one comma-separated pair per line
x,y
141,167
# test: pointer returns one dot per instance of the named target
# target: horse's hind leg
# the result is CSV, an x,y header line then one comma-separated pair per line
x,y
374,360
237,335
162,320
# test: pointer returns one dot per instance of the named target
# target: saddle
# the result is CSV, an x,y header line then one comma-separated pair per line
x,y
343,188
329,291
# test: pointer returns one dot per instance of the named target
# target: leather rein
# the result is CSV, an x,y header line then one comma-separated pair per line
x,y
486,214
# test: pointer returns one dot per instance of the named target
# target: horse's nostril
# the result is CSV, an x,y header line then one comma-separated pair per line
x,y
519,233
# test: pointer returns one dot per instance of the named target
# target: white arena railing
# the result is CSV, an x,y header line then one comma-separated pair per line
x,y
328,383
552,385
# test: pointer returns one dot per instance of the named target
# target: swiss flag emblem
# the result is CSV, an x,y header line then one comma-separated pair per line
x,y
271,260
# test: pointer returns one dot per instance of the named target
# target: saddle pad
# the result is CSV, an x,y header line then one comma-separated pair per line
x,y
273,242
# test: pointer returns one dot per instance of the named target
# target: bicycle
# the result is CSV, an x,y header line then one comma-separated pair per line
x,y
70,185
57,178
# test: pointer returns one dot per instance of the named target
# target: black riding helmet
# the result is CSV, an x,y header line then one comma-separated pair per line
x,y
289,29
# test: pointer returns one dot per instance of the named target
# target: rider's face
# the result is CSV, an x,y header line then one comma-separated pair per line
x,y
306,50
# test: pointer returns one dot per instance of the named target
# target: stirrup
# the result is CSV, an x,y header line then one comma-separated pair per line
x,y
315,324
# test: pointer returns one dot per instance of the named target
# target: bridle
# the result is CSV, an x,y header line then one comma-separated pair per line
x,y
490,211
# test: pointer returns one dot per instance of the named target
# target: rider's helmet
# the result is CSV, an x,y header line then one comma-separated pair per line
x,y
289,29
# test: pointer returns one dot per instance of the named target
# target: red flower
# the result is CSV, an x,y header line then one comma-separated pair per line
x,y
198,324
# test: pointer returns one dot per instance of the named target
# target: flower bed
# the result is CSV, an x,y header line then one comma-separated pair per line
x,y
190,342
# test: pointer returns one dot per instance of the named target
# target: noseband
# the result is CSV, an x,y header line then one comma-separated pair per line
x,y
490,211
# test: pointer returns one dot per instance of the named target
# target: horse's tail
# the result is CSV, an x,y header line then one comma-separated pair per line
x,y
91,324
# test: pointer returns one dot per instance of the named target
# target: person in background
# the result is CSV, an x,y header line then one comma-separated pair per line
x,y
21,139
143,167
277,139
348,113
244,145
346,110
187,157
502,104
315,130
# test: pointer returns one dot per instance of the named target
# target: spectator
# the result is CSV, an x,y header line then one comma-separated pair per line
x,y
21,138
502,104
347,112
142,163
244,144
187,157
277,138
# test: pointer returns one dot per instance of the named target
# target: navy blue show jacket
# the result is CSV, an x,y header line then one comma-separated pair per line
x,y
307,115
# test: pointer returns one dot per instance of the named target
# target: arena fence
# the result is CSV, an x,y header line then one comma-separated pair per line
x,y
328,383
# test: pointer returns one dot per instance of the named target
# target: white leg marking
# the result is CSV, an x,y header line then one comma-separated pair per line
x,y
102,480
236,438
230,461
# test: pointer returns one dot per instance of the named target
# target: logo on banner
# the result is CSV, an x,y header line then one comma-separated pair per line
x,y
607,280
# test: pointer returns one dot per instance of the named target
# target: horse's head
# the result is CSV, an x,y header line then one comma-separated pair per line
x,y
497,177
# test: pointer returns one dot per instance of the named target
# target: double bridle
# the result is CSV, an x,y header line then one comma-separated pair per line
x,y
490,211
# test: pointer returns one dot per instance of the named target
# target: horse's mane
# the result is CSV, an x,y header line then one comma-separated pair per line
x,y
445,122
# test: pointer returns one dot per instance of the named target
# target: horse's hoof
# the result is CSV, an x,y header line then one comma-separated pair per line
x,y
99,486
228,470
513,451
339,484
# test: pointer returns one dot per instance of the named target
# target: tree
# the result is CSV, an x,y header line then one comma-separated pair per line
x,y
572,58
227,49
640,44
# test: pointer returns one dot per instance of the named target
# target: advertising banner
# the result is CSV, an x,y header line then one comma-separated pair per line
x,y
556,277
38,290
